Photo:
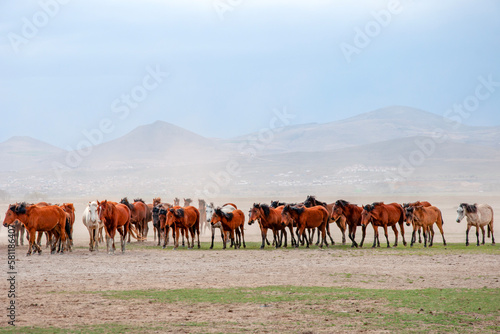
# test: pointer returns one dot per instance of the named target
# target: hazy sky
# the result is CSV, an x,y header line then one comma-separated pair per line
x,y
67,65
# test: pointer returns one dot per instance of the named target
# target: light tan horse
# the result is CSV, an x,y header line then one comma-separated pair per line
x,y
478,215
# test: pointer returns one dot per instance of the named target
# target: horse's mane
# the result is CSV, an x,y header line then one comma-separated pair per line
x,y
472,208
275,204
178,212
220,213
377,203
161,211
342,203
295,208
18,208
369,207
266,209
126,202
139,200
311,200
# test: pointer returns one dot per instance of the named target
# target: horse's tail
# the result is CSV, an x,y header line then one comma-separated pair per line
x,y
490,225
135,234
441,215
67,228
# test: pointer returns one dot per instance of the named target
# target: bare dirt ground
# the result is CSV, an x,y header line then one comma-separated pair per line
x,y
52,289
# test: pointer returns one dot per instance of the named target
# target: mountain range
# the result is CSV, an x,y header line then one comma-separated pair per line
x,y
393,144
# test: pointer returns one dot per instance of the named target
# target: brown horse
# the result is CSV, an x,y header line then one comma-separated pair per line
x,y
424,217
351,214
315,217
380,214
116,217
138,215
70,215
163,227
231,222
312,201
188,219
417,203
47,219
270,218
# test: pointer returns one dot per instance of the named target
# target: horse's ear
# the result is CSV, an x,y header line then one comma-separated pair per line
x,y
171,210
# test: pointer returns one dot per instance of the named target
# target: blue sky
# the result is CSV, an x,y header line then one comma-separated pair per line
x,y
231,62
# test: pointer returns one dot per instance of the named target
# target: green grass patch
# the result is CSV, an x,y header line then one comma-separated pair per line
x,y
417,249
112,328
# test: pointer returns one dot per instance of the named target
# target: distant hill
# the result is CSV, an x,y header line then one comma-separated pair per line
x,y
376,126
156,144
26,153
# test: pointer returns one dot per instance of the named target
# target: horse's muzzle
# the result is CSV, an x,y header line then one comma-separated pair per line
x,y
407,224
5,225
458,220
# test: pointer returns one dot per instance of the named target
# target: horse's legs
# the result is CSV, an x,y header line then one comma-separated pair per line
x,y
32,241
482,230
375,236
91,237
330,236
419,234
395,229
213,236
413,237
39,238
477,235
243,236
490,226
292,238
440,226
263,232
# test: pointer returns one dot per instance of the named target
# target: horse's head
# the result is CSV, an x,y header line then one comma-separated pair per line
x,y
156,201
337,211
103,209
409,214
254,213
175,215
462,211
187,201
209,209
286,217
93,211
310,201
366,214
161,214
14,212
216,219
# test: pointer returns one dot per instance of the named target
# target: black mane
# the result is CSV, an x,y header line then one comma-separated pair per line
x,y
126,202
139,200
342,203
472,208
266,209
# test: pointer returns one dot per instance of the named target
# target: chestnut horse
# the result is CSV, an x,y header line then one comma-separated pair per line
x,y
47,219
226,208
138,214
478,215
187,219
424,217
116,217
231,222
380,214
312,201
270,218
315,217
417,203
351,214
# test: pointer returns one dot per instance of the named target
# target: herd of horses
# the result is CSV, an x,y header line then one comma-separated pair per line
x,y
298,221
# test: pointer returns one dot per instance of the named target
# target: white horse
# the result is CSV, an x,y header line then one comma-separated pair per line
x,y
227,208
478,215
91,220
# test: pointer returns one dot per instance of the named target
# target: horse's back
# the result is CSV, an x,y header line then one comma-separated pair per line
x,y
486,212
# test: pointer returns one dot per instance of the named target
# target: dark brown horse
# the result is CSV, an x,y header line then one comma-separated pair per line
x,y
70,215
351,214
164,228
384,215
270,218
424,217
47,219
315,217
116,217
232,222
138,215
188,219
